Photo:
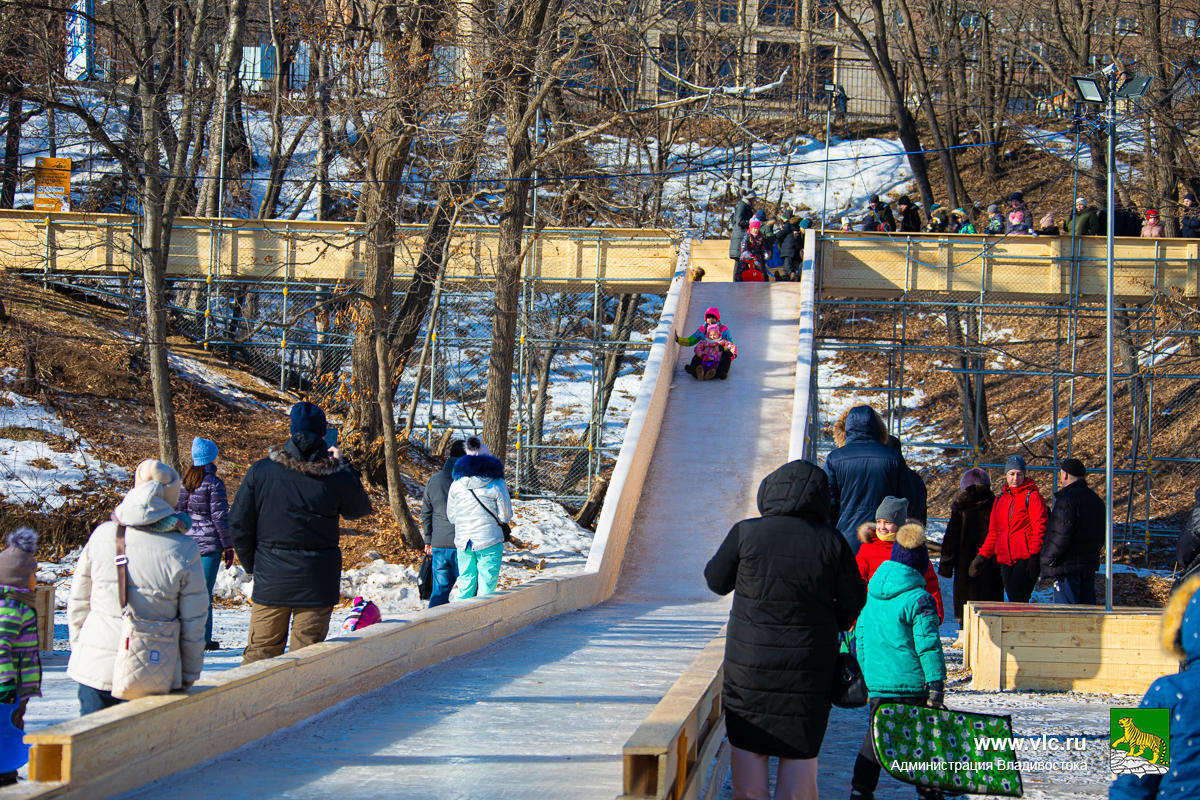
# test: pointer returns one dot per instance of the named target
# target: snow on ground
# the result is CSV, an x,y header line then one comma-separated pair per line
x,y
219,385
42,461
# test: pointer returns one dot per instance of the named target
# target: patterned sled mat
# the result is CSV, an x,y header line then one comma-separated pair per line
x,y
956,751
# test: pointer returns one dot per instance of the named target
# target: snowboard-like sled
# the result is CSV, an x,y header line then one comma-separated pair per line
x,y
937,747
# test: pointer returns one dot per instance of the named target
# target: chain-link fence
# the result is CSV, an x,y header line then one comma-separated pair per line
x,y
973,349
588,301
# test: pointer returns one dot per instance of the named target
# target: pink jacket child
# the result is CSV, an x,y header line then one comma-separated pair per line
x,y
709,350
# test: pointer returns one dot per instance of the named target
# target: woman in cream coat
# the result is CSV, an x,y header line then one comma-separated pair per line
x,y
166,582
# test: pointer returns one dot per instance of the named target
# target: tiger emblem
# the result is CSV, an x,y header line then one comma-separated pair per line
x,y
1138,741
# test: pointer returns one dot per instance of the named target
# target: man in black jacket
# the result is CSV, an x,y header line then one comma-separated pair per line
x,y
910,216
1189,223
285,529
1074,537
879,216
438,531
795,585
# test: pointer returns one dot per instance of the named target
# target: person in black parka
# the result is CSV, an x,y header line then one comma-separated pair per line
x,y
970,513
437,530
909,216
795,585
915,491
284,525
739,224
1074,537
1187,550
862,470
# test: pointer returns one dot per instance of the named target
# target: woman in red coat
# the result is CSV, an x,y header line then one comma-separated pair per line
x,y
1015,532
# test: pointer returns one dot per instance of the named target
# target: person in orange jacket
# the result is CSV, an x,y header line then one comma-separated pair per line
x,y
877,539
1016,530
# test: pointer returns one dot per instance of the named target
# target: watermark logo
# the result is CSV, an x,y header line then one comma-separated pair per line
x,y
1139,741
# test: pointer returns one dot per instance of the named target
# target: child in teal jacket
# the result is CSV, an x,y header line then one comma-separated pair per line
x,y
899,647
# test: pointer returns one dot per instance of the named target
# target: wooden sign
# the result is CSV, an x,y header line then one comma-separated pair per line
x,y
52,184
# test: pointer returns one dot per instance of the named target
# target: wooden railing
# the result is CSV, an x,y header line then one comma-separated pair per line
x,y
255,250
672,753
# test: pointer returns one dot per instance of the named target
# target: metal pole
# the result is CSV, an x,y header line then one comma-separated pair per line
x,y
825,186
1108,349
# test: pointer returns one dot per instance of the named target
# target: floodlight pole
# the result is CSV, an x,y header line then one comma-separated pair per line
x,y
825,186
1108,345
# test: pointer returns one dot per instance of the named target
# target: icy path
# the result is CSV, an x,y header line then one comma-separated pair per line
x,y
544,713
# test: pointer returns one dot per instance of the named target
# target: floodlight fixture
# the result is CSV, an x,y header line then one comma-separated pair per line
x,y
1091,90
1135,87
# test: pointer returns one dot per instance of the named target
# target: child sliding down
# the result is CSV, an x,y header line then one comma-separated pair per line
x,y
714,348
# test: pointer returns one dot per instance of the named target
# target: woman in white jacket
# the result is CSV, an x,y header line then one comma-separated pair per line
x,y
166,582
476,505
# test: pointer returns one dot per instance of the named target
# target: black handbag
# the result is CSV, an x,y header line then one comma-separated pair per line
x,y
849,686
425,578
505,528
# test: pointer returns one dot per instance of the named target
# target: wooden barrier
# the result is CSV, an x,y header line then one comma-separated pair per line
x,y
43,602
668,756
961,265
630,260
1063,648
121,748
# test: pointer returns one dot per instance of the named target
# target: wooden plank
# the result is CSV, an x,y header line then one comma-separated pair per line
x,y
1088,655
44,606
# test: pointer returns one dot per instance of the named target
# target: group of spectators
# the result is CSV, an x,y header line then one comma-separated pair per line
x,y
844,547
772,245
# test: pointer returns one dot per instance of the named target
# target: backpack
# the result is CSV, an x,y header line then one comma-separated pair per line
x,y
362,614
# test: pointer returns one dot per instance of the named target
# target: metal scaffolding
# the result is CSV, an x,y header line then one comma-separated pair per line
x,y
968,379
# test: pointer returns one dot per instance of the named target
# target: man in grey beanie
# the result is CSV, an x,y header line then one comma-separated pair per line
x,y
1016,530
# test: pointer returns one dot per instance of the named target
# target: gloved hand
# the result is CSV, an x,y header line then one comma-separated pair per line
x,y
227,554
680,340
1035,565
946,568
976,565
937,694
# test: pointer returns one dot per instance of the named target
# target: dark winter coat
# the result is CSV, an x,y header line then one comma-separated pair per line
x,y
966,531
916,494
795,586
879,218
1085,223
436,529
209,509
1126,223
1188,547
1189,225
1075,535
739,224
1180,695
909,220
862,472
285,522
785,238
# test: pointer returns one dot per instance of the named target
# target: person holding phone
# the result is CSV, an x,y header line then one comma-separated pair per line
x,y
285,526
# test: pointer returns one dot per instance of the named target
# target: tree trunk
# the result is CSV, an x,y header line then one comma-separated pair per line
x,y
218,140
509,258
12,149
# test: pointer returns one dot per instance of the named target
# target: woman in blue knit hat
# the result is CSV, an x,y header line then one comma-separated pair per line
x,y
203,498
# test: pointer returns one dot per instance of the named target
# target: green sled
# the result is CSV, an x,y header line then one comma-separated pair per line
x,y
935,747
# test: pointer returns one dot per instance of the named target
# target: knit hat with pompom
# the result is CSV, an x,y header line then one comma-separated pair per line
x,y
18,561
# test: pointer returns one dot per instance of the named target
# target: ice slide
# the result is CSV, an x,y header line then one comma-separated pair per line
x,y
544,712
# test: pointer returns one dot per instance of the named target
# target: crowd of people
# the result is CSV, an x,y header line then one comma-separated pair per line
x,y
768,246
843,548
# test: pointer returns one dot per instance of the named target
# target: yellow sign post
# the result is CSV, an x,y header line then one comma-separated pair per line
x,y
52,184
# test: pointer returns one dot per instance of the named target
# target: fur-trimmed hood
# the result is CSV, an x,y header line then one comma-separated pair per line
x,y
867,534
1181,622
973,497
488,467
289,455
862,423
911,535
